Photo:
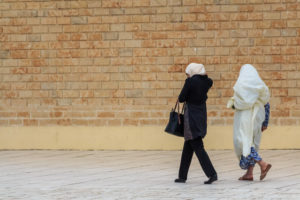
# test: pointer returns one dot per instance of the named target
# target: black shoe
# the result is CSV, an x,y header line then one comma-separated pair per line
x,y
211,179
180,180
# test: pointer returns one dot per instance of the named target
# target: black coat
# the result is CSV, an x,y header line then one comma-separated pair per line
x,y
194,93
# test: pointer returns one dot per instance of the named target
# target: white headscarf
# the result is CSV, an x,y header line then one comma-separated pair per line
x,y
249,88
195,68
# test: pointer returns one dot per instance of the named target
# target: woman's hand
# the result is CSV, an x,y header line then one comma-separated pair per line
x,y
263,128
230,103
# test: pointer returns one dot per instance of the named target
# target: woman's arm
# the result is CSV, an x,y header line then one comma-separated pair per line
x,y
210,82
267,116
184,92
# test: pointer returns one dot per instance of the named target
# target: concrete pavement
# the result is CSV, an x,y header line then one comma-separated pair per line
x,y
147,175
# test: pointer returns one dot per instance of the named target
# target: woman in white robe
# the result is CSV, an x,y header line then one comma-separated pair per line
x,y
250,97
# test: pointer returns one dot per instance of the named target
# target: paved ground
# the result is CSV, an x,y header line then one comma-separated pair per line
x,y
139,175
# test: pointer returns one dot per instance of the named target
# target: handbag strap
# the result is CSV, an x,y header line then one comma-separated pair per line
x,y
183,107
177,106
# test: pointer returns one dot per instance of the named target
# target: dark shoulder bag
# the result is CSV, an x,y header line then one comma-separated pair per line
x,y
176,121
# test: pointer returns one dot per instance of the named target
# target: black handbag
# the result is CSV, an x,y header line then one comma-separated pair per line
x,y
176,121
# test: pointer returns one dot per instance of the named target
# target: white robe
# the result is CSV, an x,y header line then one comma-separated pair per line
x,y
250,96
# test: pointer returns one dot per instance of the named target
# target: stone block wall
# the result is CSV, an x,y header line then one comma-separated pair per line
x,y
121,62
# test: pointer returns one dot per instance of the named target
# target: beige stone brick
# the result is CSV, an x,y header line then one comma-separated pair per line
x,y
30,122
230,8
48,20
32,5
189,2
40,29
140,3
293,92
134,93
158,3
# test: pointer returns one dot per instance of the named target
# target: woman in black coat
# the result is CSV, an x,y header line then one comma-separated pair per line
x,y
194,93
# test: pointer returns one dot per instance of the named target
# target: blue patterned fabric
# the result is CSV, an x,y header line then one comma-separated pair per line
x,y
267,115
248,161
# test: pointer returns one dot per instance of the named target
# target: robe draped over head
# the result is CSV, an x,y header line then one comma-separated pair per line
x,y
250,96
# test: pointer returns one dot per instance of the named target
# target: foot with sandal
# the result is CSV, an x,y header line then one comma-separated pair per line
x,y
264,167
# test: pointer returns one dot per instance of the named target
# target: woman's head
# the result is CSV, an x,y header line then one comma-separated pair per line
x,y
248,74
248,69
195,69
250,87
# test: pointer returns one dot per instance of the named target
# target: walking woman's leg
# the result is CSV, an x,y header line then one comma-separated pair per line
x,y
204,160
186,159
248,176
264,168
250,171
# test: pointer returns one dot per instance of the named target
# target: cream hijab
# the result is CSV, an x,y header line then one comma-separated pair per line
x,y
195,68
249,88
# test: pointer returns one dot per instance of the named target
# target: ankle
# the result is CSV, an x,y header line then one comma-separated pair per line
x,y
262,163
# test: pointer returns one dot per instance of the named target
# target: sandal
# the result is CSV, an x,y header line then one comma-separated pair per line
x,y
264,173
243,178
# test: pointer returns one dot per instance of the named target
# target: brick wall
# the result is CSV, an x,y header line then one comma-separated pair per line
x,y
121,62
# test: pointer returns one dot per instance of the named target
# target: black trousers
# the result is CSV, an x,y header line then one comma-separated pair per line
x,y
189,148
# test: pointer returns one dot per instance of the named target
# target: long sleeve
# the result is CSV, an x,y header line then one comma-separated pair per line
x,y
210,82
184,92
267,115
